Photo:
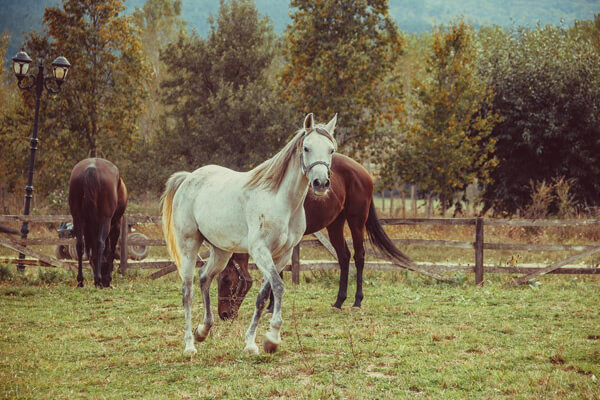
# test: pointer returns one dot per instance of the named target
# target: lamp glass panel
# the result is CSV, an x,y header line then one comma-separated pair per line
x,y
20,68
60,73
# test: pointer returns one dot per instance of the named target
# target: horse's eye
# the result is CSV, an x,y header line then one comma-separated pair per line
x,y
331,151
306,150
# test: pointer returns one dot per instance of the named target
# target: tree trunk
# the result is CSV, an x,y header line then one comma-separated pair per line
x,y
403,200
428,206
413,200
443,205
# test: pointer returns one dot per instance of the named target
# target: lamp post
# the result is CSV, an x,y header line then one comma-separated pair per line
x,y
60,70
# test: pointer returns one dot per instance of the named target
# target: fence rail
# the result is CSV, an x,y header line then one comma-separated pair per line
x,y
478,245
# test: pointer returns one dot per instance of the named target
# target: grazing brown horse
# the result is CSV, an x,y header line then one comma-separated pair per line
x,y
350,198
97,200
234,282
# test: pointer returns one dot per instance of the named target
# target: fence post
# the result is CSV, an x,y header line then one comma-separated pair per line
x,y
123,244
479,251
296,265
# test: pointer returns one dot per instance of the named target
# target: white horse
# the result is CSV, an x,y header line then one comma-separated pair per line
x,y
259,212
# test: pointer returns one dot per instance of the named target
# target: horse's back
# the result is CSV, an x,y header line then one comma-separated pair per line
x,y
98,182
215,198
351,191
224,208
356,178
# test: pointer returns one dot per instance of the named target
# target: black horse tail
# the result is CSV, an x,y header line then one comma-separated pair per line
x,y
383,242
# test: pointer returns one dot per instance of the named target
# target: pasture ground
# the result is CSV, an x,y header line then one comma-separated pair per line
x,y
412,339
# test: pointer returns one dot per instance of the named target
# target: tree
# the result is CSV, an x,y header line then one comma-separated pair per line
x,y
159,23
547,84
97,111
337,52
13,126
222,103
448,144
397,111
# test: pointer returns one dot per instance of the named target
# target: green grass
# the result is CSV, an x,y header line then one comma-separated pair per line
x,y
412,339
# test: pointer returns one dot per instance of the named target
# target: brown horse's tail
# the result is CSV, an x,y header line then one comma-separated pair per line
x,y
91,184
383,242
166,206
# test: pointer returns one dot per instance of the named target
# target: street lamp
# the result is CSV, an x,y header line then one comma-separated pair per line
x,y
60,70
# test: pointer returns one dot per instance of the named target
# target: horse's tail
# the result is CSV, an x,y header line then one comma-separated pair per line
x,y
166,206
91,184
383,242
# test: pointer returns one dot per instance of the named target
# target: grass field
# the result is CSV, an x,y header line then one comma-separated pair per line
x,y
412,339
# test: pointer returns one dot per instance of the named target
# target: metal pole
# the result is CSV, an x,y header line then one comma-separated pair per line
x,y
39,87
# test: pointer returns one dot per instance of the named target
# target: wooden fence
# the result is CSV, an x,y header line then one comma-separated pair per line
x,y
478,245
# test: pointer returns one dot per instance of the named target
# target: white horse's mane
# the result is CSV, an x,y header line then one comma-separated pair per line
x,y
270,173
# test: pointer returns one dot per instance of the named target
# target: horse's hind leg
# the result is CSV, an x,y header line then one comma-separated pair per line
x,y
79,238
109,251
100,245
336,236
216,263
357,229
188,249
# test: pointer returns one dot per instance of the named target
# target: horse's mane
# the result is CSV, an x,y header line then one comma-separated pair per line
x,y
270,173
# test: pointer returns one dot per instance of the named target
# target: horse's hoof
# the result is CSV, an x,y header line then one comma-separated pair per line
x,y
80,284
190,351
269,346
336,307
252,349
271,342
198,336
356,308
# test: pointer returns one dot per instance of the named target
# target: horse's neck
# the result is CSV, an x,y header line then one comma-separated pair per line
x,y
294,186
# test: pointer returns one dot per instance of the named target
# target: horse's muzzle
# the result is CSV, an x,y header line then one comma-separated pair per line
x,y
320,187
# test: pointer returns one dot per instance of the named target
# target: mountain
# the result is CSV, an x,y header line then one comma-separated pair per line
x,y
18,16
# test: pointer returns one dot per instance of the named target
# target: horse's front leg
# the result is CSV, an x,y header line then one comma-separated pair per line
x,y
269,268
261,299
216,263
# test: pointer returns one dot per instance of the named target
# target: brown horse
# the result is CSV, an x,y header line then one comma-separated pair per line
x,y
350,198
97,200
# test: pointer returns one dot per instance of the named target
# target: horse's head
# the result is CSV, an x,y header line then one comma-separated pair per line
x,y
234,283
317,150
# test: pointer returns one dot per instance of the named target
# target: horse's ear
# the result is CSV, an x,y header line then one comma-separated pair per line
x,y
331,124
309,123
